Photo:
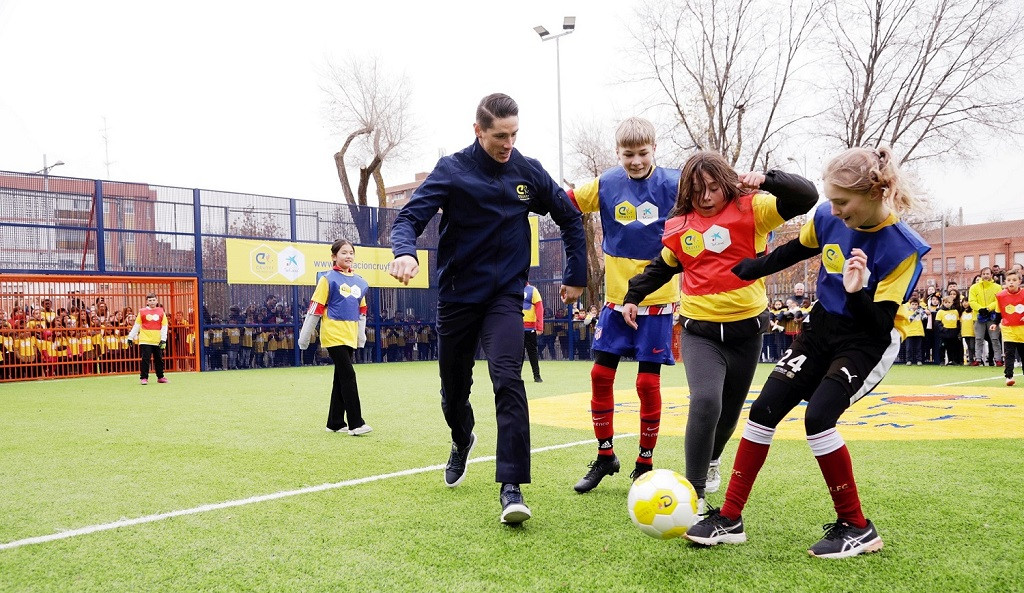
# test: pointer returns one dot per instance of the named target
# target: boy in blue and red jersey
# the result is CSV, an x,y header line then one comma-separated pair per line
x,y
633,200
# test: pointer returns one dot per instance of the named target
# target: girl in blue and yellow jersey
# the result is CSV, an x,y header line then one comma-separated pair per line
x,y
870,262
720,218
339,306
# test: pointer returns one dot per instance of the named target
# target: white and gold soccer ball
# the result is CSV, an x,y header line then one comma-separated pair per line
x,y
662,504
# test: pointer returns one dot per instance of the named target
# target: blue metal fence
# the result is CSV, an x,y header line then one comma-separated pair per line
x,y
89,227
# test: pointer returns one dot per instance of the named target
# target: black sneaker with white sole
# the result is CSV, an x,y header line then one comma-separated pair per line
x,y
843,540
513,510
715,529
455,469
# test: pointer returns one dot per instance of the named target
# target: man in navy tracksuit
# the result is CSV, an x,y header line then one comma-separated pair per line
x,y
485,193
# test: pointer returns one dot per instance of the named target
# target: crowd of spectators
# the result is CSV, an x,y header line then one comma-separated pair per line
x,y
74,335
939,324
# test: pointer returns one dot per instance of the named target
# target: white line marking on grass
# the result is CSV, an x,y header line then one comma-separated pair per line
x,y
255,499
971,381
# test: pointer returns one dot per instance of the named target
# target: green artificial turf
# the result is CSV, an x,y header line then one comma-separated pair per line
x,y
91,452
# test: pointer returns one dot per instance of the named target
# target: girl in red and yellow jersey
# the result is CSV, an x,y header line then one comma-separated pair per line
x,y
1011,308
719,219
339,306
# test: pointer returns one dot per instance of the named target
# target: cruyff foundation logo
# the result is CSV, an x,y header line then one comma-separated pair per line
x,y
523,191
833,259
265,262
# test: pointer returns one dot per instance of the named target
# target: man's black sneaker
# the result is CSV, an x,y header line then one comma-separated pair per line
x,y
537,379
455,470
843,540
513,510
604,465
716,528
640,469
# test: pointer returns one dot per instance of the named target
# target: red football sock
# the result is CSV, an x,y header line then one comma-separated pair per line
x,y
648,387
838,471
750,457
602,407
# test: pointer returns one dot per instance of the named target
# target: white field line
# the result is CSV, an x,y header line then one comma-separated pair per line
x,y
256,499
999,377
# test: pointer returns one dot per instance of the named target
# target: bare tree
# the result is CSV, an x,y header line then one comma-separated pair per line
x,y
592,153
924,77
371,108
726,70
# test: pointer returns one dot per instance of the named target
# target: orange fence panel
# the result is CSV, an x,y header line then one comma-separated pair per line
x,y
54,326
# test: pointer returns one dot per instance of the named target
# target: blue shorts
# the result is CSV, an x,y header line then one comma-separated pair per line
x,y
650,342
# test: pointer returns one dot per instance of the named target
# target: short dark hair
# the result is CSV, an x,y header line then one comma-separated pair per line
x,y
151,295
495,106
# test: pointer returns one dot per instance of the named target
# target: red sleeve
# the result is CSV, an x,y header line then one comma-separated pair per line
x,y
572,197
539,308
315,308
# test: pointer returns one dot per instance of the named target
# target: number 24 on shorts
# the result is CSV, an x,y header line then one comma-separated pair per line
x,y
790,366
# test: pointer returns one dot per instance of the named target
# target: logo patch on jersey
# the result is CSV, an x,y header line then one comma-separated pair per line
x,y
692,243
152,317
1011,309
523,191
346,291
647,213
717,239
832,258
625,212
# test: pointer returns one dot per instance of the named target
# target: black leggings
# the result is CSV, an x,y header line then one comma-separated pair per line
x,y
828,402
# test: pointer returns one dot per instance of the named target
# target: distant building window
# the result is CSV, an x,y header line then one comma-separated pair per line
x,y
1018,257
936,265
1001,260
950,264
983,261
968,262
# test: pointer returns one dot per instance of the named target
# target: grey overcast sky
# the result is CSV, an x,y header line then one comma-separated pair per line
x,y
226,94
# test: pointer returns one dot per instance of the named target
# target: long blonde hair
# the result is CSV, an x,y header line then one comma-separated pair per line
x,y
871,171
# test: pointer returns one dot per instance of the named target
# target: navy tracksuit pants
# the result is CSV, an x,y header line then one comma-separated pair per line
x,y
497,325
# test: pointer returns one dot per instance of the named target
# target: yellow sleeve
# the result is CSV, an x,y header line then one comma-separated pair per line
x,y
536,297
320,294
809,236
669,257
587,196
766,214
895,286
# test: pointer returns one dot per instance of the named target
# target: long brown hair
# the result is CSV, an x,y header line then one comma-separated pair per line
x,y
692,185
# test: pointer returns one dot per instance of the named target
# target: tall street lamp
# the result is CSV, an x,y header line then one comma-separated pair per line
x,y
46,172
568,26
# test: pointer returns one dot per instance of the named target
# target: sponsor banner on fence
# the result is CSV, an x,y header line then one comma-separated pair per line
x,y
277,262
